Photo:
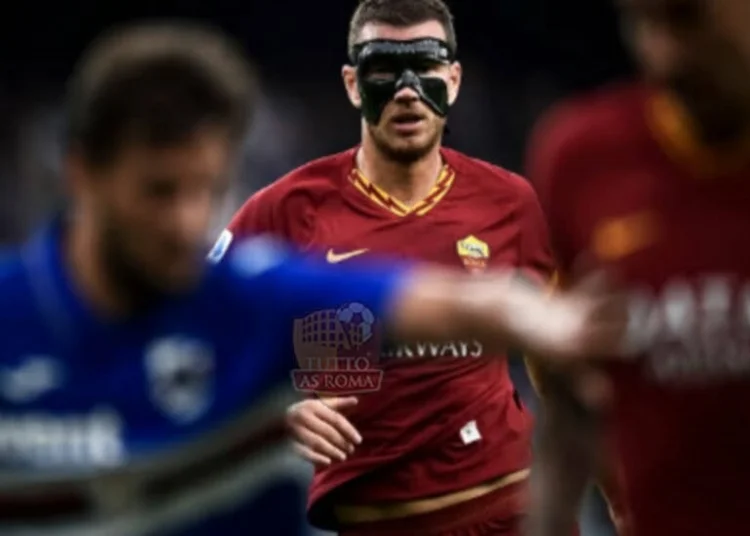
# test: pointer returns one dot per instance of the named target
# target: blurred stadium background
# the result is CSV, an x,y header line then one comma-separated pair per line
x,y
519,56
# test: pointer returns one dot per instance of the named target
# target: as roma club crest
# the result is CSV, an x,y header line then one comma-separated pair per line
x,y
474,253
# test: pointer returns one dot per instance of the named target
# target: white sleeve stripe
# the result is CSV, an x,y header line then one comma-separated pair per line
x,y
221,246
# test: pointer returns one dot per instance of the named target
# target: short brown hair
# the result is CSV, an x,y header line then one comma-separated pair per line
x,y
401,13
157,84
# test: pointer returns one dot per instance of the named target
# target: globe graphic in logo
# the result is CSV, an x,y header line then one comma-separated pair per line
x,y
357,322
338,351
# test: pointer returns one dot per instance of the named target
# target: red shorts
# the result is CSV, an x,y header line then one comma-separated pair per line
x,y
494,513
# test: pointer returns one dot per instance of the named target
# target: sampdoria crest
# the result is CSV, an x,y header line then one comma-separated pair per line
x,y
180,373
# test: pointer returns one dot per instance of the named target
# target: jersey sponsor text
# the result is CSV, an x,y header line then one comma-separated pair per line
x,y
693,331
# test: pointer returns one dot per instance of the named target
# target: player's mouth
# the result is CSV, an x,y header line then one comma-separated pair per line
x,y
407,122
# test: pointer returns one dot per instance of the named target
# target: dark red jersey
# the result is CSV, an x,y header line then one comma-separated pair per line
x,y
446,416
622,182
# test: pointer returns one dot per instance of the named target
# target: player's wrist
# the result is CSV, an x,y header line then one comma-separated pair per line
x,y
493,302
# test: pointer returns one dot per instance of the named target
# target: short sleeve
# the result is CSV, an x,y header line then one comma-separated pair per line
x,y
552,168
255,217
535,253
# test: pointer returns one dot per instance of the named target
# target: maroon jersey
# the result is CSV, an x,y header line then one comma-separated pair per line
x,y
621,181
436,425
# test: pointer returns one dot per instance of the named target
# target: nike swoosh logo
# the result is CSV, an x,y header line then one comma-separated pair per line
x,y
334,258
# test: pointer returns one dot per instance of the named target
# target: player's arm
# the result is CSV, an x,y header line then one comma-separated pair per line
x,y
568,447
570,454
429,303
319,427
569,429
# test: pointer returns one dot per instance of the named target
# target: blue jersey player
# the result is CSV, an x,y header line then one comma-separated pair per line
x,y
130,369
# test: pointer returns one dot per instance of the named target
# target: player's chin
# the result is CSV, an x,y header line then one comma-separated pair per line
x,y
410,147
407,153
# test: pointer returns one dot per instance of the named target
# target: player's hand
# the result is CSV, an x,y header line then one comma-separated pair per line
x,y
321,432
587,321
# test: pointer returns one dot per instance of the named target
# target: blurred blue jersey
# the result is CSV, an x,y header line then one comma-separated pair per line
x,y
154,424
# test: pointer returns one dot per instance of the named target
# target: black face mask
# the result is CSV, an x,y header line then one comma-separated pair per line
x,y
384,67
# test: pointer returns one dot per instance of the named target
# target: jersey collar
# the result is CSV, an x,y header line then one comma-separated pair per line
x,y
676,132
376,196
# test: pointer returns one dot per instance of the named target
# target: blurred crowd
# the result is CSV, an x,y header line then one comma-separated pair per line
x,y
519,56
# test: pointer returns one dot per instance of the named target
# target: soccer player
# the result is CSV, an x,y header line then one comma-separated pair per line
x,y
652,180
129,365
443,445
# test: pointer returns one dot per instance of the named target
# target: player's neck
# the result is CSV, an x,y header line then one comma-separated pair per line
x,y
409,183
722,131
81,253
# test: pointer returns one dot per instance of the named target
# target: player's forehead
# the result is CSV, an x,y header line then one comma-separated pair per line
x,y
378,30
206,154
